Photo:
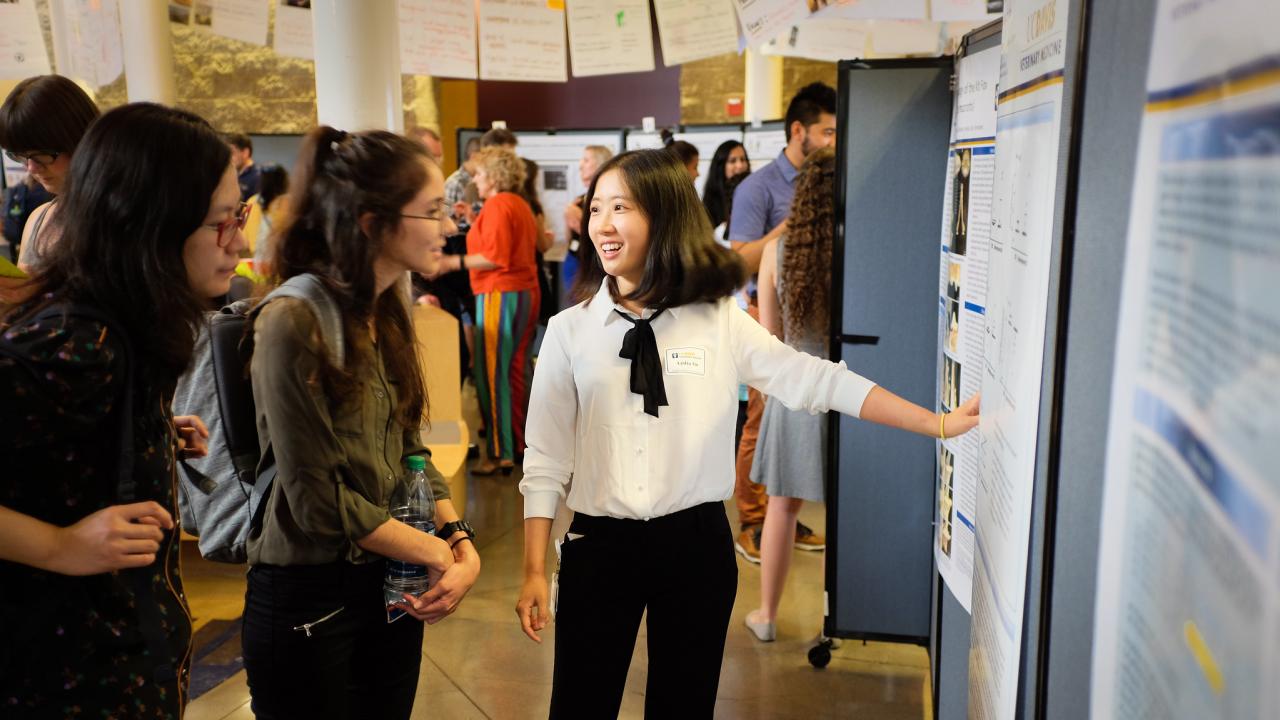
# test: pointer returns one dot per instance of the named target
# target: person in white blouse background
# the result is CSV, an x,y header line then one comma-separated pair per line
x,y
631,420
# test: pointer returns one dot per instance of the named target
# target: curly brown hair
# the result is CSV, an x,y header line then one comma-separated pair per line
x,y
806,254
503,166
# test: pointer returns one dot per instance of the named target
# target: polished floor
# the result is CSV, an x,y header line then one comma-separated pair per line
x,y
478,664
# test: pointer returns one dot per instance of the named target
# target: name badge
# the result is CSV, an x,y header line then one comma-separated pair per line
x,y
686,361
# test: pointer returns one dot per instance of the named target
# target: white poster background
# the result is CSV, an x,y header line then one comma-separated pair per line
x,y
1028,124
558,180
438,38
694,29
763,145
22,49
1188,602
522,40
762,20
607,37
93,31
831,39
875,10
962,294
644,141
948,10
293,32
244,20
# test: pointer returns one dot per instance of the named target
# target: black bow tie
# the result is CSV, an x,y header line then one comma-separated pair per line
x,y
641,347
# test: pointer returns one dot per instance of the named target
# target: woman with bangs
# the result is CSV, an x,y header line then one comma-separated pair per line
x,y
367,208
632,424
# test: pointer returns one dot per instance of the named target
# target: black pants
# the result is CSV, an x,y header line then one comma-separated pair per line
x,y
317,644
681,568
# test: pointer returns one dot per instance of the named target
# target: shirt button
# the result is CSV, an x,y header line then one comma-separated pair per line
x,y
378,393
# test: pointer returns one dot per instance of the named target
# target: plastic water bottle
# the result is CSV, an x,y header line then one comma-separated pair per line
x,y
413,504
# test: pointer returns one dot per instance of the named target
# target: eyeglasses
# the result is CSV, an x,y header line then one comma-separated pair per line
x,y
43,159
226,229
437,215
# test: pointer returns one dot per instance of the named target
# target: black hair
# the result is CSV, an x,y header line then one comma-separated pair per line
x,y
498,136
529,188
126,213
684,152
275,182
472,147
339,178
684,264
241,141
716,195
808,105
45,113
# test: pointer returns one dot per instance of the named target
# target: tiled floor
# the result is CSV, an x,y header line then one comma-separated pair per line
x,y
477,663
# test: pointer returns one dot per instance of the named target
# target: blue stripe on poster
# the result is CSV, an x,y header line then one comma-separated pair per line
x,y
975,308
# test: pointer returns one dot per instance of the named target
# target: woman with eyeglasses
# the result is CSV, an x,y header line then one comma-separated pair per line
x,y
41,123
93,621
365,210
501,255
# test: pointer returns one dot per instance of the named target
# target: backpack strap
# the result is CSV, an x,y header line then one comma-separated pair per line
x,y
311,290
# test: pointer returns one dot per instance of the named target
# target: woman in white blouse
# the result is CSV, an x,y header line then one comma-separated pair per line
x,y
632,418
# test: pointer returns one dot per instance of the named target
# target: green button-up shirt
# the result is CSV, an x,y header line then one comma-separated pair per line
x,y
337,464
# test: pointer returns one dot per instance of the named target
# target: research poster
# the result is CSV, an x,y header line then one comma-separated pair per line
x,y
762,20
22,50
1188,604
873,9
1028,125
764,143
292,36
607,38
558,179
962,312
829,39
523,40
695,29
243,20
93,32
438,38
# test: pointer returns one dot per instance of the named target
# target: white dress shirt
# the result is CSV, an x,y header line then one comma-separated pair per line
x,y
586,425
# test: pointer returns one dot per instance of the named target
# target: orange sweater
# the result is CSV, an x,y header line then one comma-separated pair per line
x,y
506,233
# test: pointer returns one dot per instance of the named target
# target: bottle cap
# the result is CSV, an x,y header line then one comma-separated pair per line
x,y
416,462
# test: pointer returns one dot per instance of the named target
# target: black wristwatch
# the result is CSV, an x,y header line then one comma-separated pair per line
x,y
449,529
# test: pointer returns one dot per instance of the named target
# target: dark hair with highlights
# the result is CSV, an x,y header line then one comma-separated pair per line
x,y
339,178
125,217
45,113
684,265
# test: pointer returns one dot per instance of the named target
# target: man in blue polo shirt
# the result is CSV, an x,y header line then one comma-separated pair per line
x,y
760,208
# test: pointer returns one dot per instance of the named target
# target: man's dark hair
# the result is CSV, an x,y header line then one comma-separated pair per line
x,y
45,113
498,136
472,147
808,105
684,265
240,141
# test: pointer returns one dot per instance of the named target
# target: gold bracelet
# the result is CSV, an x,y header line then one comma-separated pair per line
x,y
942,426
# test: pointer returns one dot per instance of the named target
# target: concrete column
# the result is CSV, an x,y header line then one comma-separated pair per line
x,y
764,87
148,51
357,50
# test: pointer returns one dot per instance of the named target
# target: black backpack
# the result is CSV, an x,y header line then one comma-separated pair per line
x,y
220,496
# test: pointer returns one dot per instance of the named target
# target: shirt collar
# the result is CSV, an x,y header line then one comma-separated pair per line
x,y
788,170
602,306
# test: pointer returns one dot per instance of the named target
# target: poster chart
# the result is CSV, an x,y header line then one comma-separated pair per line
x,y
93,32
522,40
695,29
829,39
962,314
244,20
438,38
558,179
1187,620
762,20
609,37
22,49
292,35
1028,122
764,143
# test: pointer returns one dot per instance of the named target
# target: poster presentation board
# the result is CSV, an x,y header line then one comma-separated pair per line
x,y
762,20
707,139
764,143
829,39
875,9
438,38
93,32
695,29
1028,130
522,40
22,49
243,20
607,38
557,156
1188,603
292,37
962,299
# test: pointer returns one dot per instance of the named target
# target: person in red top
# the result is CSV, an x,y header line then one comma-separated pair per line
x,y
500,256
